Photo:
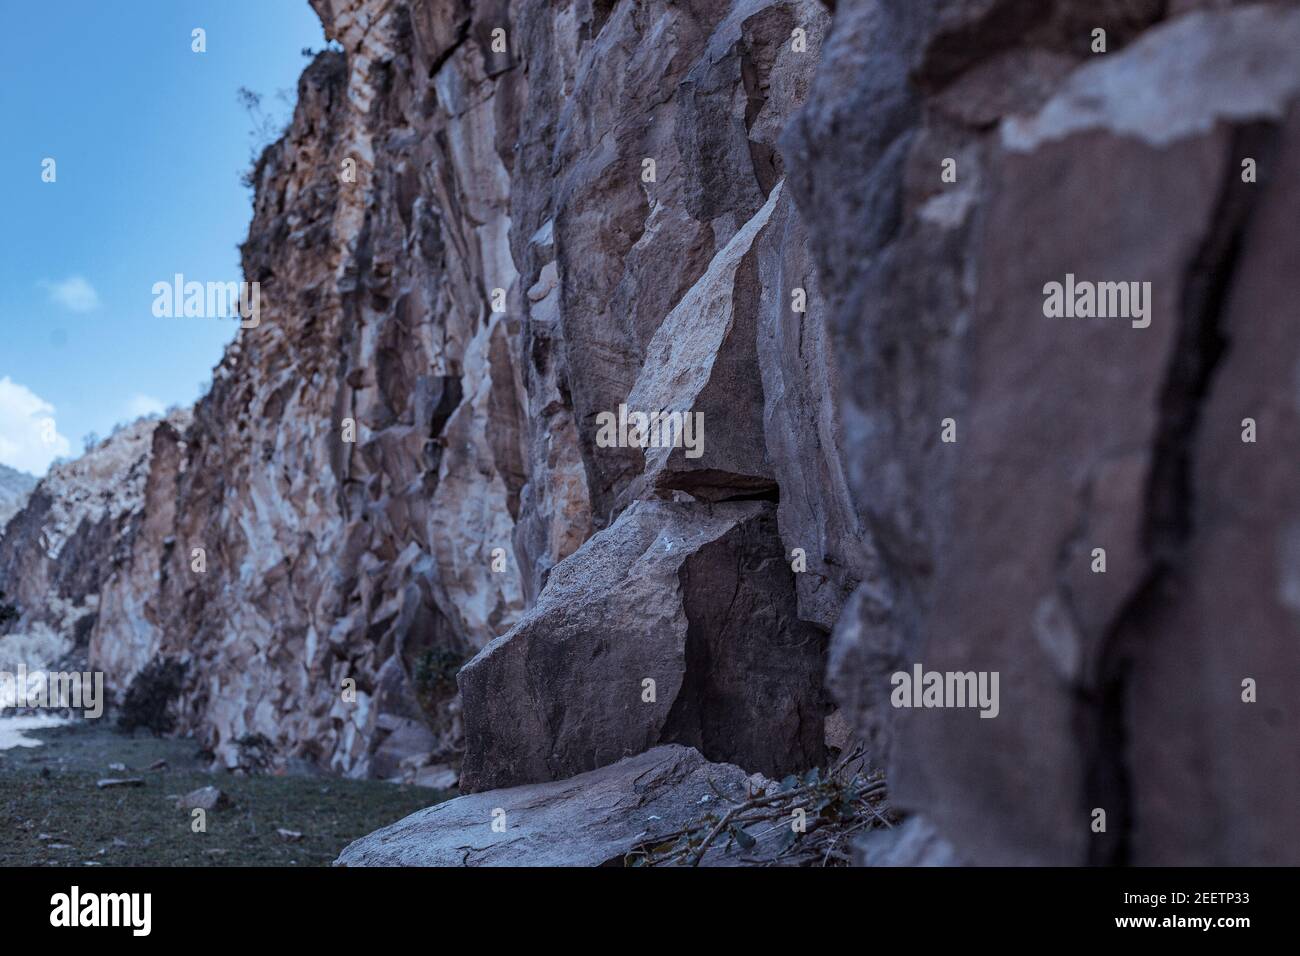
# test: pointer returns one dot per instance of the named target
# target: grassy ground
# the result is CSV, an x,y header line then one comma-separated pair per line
x,y
52,814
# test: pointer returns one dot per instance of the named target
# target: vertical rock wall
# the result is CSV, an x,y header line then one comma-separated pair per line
x,y
1122,691
465,259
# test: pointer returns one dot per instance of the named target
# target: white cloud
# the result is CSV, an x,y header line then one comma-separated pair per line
x,y
29,437
139,405
73,293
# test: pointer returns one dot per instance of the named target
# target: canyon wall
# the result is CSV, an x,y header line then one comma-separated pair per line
x,y
15,486
402,528
76,528
487,227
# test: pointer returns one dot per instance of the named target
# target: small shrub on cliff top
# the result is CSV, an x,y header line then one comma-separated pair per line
x,y
148,700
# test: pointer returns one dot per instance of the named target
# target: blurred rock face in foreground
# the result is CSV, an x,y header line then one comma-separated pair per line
x,y
1121,690
829,231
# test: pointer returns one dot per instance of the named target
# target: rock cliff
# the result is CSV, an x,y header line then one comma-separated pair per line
x,y
74,531
810,244
15,486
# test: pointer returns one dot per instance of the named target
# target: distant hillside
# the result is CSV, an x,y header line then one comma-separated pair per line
x,y
15,486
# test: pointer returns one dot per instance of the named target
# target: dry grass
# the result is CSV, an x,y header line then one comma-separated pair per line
x,y
51,812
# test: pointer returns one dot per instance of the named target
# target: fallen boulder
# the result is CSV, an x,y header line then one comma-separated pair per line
x,y
593,819
678,624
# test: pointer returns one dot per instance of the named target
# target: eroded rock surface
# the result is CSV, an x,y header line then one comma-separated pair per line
x,y
1123,690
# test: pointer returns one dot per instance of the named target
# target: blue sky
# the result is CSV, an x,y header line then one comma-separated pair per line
x,y
149,141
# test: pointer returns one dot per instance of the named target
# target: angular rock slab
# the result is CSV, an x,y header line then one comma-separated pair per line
x,y
693,596
703,362
592,819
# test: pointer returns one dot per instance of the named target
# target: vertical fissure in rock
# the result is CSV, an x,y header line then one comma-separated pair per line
x,y
462,34
1199,348
600,14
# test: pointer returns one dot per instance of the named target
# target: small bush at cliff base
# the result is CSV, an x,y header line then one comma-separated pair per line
x,y
435,676
148,700
256,752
